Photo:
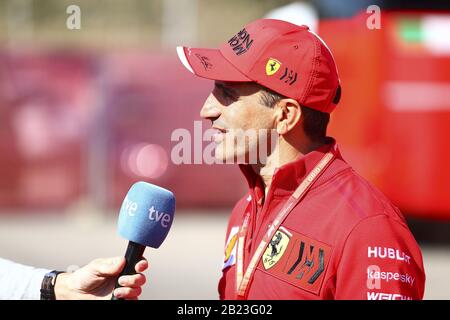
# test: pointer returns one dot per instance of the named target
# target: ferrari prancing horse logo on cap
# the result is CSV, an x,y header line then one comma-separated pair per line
x,y
272,66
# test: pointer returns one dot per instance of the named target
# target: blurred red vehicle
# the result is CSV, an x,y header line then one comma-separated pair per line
x,y
394,120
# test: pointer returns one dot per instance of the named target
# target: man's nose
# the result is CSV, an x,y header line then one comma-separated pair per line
x,y
210,109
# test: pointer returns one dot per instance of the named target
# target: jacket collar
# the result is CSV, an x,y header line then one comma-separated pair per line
x,y
287,177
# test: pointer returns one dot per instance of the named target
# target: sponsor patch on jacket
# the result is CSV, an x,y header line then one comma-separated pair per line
x,y
230,248
297,259
276,248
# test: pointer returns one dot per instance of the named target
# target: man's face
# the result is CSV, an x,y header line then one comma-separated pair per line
x,y
244,125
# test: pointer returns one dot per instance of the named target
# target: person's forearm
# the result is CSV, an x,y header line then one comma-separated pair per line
x,y
20,281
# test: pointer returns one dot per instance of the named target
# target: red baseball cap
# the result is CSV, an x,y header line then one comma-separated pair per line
x,y
286,58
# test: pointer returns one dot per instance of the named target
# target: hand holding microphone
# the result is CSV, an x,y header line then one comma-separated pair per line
x,y
145,218
97,280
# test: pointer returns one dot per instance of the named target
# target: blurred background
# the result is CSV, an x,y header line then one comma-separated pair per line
x,y
88,106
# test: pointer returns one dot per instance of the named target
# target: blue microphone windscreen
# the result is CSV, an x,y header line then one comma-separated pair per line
x,y
146,214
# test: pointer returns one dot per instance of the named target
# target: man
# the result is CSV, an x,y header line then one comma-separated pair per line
x,y
309,227
96,280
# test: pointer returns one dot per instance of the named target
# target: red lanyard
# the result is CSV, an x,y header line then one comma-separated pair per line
x,y
243,280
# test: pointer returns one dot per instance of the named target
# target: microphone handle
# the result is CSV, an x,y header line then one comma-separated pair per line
x,y
133,255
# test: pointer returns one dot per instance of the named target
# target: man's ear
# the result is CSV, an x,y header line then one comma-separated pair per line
x,y
288,114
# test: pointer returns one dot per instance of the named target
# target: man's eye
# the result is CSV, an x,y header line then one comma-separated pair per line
x,y
225,94
228,95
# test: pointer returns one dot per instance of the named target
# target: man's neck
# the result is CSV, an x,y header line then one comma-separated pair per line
x,y
282,154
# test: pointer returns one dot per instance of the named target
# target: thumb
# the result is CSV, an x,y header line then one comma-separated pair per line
x,y
108,266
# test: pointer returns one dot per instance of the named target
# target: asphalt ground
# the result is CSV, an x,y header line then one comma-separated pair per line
x,y
186,266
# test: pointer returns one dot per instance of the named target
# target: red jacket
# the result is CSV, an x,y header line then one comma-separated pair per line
x,y
344,240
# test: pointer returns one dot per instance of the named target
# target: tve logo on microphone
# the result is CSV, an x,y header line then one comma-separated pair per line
x,y
154,215
130,206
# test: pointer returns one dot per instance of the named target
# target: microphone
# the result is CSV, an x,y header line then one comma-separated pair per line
x,y
145,218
